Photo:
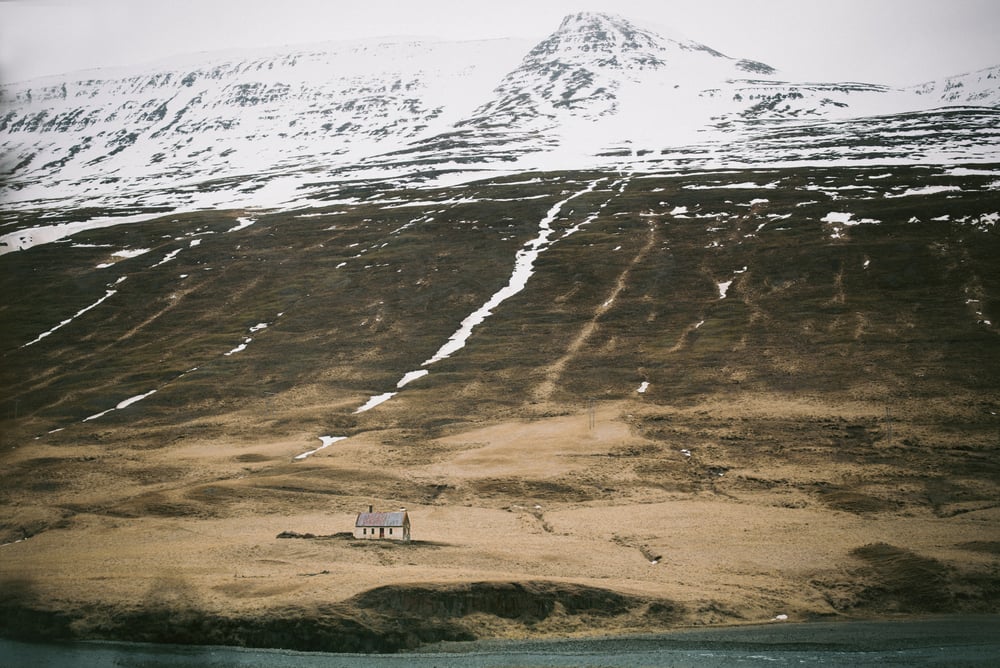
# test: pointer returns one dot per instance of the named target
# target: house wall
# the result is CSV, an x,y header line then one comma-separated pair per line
x,y
369,533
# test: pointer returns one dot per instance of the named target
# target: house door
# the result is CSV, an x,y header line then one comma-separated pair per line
x,y
381,532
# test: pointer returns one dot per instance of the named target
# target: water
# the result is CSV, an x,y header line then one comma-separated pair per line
x,y
947,641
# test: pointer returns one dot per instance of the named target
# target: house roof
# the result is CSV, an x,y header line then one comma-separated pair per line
x,y
395,519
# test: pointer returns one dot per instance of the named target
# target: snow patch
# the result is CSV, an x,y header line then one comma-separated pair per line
x,y
926,190
242,223
247,340
130,252
36,236
966,171
843,218
410,377
836,217
240,348
326,441
987,220
749,185
376,401
120,405
169,256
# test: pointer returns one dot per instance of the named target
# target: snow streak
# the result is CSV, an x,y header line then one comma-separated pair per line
x,y
108,294
524,265
120,405
327,442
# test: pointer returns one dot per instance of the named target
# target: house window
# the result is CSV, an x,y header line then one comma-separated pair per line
x,y
364,532
390,532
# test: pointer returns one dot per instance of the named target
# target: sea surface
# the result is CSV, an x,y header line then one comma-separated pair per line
x,y
952,641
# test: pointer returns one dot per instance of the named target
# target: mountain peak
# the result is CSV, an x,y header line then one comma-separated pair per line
x,y
598,31
583,19
611,38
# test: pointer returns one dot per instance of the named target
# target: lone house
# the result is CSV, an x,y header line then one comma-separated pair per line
x,y
393,526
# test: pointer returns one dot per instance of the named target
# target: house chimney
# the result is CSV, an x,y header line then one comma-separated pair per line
x,y
370,508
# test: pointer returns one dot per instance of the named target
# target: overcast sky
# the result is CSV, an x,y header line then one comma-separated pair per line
x,y
883,41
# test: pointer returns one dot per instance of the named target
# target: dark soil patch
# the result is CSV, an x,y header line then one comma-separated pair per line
x,y
532,489
252,458
904,581
532,601
851,501
987,546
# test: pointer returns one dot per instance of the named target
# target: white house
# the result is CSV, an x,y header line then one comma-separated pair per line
x,y
390,526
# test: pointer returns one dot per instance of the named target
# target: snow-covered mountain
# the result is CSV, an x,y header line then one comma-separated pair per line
x,y
975,88
583,69
248,112
598,86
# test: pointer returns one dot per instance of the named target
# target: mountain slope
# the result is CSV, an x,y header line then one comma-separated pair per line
x,y
742,362
975,88
600,82
250,113
383,282
581,70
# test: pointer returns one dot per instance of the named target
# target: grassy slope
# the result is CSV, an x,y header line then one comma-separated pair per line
x,y
779,392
